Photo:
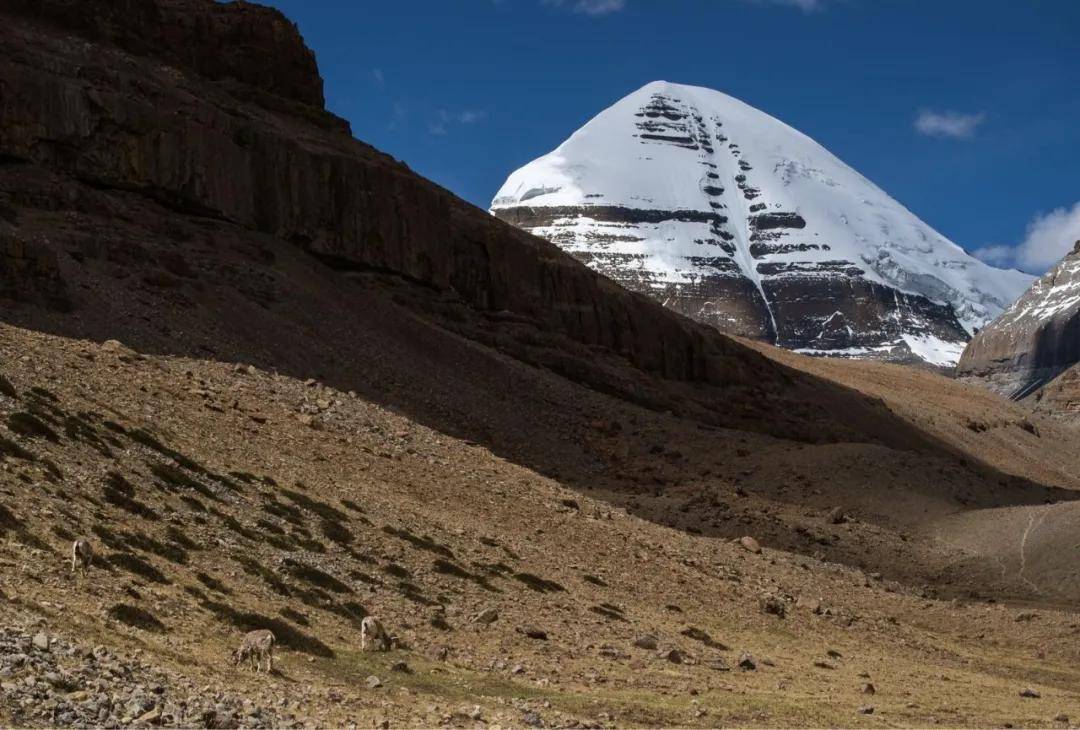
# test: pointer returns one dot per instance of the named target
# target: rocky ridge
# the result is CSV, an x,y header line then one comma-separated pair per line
x,y
1035,340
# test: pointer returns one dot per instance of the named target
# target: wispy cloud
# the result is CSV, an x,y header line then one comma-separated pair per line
x,y
444,119
594,8
400,115
378,77
949,125
807,6
1049,237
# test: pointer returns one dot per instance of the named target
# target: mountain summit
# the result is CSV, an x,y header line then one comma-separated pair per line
x,y
735,219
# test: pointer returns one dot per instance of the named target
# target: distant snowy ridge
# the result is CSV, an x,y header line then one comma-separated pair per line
x,y
1033,341
734,218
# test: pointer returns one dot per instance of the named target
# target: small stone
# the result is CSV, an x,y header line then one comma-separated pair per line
x,y
373,682
747,662
869,689
718,664
1030,693
866,710
750,544
149,717
534,633
646,641
1061,718
674,656
400,667
476,713
41,641
532,719
487,616
772,605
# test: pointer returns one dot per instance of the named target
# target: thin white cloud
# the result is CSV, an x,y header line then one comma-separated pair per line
x,y
1001,256
400,114
1049,237
444,119
807,6
378,77
594,8
950,125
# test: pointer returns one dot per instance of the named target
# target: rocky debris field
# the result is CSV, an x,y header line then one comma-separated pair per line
x,y
47,681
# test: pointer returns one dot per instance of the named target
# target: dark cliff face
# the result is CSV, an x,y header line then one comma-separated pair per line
x,y
236,42
1033,341
230,128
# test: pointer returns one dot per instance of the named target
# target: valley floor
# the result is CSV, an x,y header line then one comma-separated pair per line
x,y
223,498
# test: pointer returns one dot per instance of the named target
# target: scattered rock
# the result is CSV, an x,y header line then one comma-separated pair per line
x,y
673,655
1030,693
534,633
487,616
60,684
836,516
1061,718
869,689
532,719
747,662
866,710
718,664
772,605
750,544
373,682
149,717
400,667
647,641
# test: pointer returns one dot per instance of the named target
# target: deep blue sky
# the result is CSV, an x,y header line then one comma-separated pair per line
x,y
465,91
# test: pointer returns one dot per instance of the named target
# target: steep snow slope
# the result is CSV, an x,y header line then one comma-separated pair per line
x,y
736,219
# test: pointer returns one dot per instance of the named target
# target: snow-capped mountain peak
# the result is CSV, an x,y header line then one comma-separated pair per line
x,y
736,219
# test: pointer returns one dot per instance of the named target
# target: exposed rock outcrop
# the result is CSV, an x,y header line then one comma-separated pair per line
x,y
1034,341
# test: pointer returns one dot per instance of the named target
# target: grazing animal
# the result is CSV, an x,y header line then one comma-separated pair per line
x,y
82,555
256,646
372,630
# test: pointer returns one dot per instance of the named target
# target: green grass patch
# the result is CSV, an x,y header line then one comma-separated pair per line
x,y
286,634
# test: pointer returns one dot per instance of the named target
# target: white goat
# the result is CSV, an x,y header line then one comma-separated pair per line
x,y
82,555
256,646
372,630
